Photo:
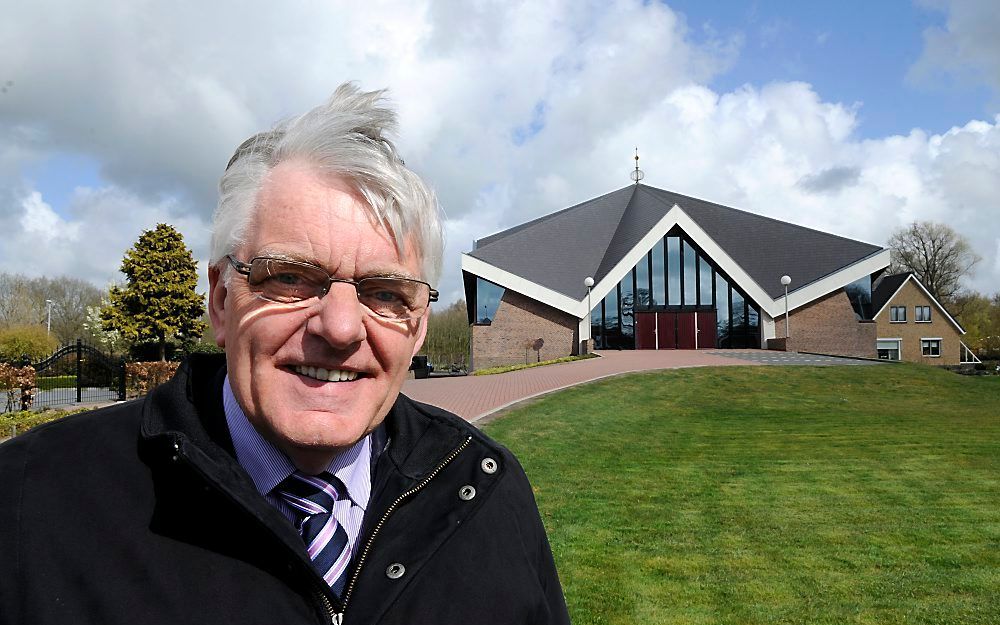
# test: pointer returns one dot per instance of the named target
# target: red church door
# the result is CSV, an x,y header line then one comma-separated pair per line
x,y
706,330
685,330
645,330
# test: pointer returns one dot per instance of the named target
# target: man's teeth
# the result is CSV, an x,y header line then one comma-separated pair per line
x,y
327,375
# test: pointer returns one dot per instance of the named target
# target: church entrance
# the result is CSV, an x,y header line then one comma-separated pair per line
x,y
675,330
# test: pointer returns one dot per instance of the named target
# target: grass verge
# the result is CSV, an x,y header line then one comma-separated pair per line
x,y
506,368
22,421
746,495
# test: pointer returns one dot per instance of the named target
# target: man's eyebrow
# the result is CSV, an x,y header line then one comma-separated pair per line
x,y
376,272
278,255
390,273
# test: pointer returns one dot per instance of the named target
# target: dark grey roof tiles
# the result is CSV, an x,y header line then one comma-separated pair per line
x,y
559,250
886,287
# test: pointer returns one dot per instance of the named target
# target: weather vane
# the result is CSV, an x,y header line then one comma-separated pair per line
x,y
636,175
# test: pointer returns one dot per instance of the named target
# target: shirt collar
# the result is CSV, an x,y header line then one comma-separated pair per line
x,y
268,466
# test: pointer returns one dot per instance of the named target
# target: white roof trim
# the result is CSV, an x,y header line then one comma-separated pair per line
x,y
677,217
933,299
831,282
523,286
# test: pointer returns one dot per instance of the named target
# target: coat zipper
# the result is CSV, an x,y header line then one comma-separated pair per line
x,y
338,618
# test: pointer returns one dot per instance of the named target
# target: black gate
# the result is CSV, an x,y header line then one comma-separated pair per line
x,y
78,373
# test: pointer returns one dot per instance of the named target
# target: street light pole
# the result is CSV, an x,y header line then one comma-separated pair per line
x,y
48,322
785,281
589,283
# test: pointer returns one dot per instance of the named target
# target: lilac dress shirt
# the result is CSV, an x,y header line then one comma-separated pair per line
x,y
268,467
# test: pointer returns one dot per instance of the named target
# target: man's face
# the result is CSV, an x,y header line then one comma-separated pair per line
x,y
305,216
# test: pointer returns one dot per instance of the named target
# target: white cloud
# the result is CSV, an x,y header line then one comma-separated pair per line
x,y
511,110
966,48
89,243
41,222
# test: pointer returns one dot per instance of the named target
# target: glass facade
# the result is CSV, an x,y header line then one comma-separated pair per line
x,y
659,275
690,275
642,290
674,277
722,308
627,308
674,271
487,300
704,282
860,294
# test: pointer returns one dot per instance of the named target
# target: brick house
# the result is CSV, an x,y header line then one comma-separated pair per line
x,y
668,272
914,326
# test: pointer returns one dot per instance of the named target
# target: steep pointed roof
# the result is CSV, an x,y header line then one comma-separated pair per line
x,y
558,250
886,288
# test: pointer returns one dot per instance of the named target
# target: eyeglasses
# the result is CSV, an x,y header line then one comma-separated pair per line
x,y
290,281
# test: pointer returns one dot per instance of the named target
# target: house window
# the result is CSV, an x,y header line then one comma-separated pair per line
x,y
967,356
888,349
930,347
922,314
897,314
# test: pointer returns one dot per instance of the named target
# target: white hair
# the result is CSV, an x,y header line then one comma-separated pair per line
x,y
348,137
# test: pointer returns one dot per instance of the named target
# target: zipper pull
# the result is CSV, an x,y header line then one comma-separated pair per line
x,y
337,618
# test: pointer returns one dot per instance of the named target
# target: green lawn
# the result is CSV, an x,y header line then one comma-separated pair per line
x,y
771,495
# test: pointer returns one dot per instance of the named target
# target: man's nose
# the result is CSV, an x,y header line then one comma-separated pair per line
x,y
340,318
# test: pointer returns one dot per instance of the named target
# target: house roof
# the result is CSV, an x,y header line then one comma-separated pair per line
x,y
558,250
885,290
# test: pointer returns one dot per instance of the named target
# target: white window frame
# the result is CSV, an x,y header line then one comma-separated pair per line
x,y
899,348
916,315
965,350
939,341
893,309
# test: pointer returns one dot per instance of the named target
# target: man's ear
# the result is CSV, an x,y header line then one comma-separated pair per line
x,y
217,304
421,332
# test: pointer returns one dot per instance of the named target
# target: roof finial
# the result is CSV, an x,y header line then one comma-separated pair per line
x,y
636,175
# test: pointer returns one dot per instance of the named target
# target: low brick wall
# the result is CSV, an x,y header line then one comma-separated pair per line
x,y
778,345
828,326
519,321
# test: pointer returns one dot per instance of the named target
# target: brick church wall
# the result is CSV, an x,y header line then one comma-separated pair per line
x,y
828,326
518,322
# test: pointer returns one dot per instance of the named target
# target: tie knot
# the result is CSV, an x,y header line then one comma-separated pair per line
x,y
310,494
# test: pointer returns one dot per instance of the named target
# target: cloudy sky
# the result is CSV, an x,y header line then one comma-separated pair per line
x,y
851,118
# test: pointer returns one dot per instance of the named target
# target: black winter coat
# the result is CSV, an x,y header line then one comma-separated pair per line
x,y
139,513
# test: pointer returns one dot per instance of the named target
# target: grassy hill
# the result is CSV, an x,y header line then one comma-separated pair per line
x,y
771,495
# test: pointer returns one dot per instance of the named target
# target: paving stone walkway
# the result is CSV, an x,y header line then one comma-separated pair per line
x,y
765,357
476,396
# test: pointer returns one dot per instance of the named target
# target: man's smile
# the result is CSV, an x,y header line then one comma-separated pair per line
x,y
325,375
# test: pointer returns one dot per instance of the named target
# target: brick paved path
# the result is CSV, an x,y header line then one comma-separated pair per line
x,y
476,396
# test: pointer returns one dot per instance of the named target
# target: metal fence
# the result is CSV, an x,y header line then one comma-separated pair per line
x,y
77,373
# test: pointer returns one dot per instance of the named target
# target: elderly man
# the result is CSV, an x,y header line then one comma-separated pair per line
x,y
289,482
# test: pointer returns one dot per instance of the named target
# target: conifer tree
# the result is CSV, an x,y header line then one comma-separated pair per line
x,y
158,303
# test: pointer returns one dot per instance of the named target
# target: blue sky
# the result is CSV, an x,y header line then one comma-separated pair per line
x,y
852,51
116,116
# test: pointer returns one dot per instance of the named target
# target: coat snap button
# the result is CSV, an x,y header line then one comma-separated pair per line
x,y
395,570
489,466
466,493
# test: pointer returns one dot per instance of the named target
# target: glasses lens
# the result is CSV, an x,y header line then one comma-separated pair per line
x,y
394,298
286,281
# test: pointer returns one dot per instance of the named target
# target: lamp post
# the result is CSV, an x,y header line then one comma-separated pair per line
x,y
48,322
785,281
589,283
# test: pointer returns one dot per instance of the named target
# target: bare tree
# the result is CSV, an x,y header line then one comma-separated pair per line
x,y
23,301
936,254
19,301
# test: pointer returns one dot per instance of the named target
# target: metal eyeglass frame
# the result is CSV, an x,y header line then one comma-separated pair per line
x,y
244,270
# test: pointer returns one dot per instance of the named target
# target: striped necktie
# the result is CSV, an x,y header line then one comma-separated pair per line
x,y
312,497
